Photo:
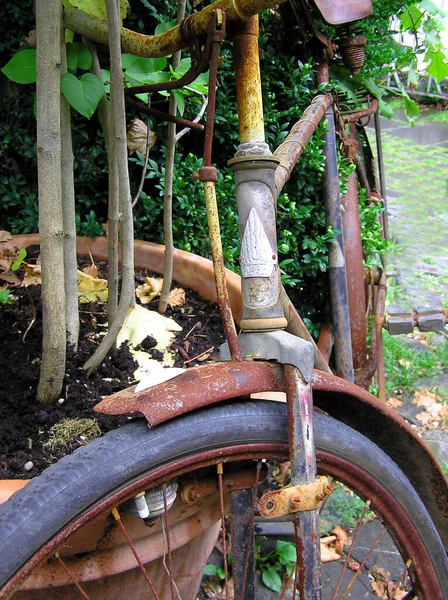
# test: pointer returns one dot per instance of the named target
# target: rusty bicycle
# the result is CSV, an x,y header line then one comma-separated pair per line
x,y
139,510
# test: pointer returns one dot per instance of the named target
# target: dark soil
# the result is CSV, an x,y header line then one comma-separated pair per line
x,y
25,424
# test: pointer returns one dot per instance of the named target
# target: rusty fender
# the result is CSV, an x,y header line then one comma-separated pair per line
x,y
208,384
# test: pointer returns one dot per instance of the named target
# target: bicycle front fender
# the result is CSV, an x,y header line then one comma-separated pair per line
x,y
203,386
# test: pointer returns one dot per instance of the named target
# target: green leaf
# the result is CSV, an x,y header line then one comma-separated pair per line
x,y
105,74
19,260
142,67
4,296
83,93
345,82
180,99
162,27
78,56
97,8
221,573
22,67
148,78
385,110
437,64
127,60
210,569
286,552
271,579
411,108
411,18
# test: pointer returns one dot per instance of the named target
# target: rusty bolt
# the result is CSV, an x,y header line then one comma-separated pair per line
x,y
294,502
269,505
320,497
230,483
193,494
328,489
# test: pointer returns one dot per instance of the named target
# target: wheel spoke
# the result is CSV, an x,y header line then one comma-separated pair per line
x,y
223,527
72,576
361,566
166,538
118,520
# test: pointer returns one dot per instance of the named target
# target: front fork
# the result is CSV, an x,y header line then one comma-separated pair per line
x,y
263,335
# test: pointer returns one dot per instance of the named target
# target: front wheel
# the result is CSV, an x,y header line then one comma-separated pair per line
x,y
76,530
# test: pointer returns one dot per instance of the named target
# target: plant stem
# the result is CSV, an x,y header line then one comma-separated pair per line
x,y
113,215
68,214
168,193
120,154
48,62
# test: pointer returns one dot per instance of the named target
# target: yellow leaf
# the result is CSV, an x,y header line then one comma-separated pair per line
x,y
176,297
97,8
141,322
149,290
32,275
91,289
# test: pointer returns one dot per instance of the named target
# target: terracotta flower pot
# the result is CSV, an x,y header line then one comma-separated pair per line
x,y
190,271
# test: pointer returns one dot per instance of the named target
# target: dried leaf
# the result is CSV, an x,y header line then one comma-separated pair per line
x,y
91,270
342,538
149,290
353,565
33,275
176,297
11,278
328,553
379,588
379,573
395,402
424,397
141,322
5,236
424,417
137,137
91,289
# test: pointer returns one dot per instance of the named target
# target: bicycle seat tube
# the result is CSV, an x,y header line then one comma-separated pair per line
x,y
254,168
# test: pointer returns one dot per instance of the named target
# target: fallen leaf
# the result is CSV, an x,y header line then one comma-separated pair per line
x,y
353,565
141,322
137,137
5,236
215,588
11,278
149,290
32,275
379,588
91,289
327,552
176,297
342,538
395,402
424,417
379,573
154,373
425,398
91,270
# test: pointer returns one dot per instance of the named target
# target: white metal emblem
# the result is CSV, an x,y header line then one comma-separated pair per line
x,y
256,251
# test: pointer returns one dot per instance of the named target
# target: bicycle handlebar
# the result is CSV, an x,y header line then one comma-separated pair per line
x,y
154,46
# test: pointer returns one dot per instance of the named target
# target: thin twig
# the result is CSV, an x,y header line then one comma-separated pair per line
x,y
145,166
199,355
197,118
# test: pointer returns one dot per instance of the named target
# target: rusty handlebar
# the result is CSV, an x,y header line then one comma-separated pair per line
x,y
154,46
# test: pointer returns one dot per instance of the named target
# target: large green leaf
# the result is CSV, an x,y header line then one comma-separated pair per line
x,y
437,64
97,8
271,579
22,67
162,27
78,56
141,67
83,93
411,18
286,552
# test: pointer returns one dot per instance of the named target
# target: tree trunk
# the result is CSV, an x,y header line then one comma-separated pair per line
x,y
48,61
68,213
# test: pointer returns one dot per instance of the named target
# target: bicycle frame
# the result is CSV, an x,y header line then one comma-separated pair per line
x,y
259,176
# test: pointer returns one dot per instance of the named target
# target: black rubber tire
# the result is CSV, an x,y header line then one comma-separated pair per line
x,y
36,513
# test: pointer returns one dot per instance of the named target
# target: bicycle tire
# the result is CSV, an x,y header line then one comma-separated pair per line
x,y
53,502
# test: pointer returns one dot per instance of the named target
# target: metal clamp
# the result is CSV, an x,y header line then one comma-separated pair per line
x,y
292,499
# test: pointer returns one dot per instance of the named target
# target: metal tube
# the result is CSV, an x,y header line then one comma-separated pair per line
x,y
337,269
379,150
171,41
354,267
242,532
248,82
293,146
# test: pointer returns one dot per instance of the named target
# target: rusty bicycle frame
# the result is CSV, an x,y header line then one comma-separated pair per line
x,y
275,352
